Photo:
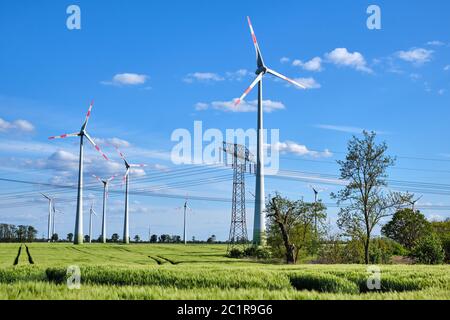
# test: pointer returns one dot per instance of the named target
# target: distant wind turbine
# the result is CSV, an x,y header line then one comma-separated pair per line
x,y
50,213
126,177
55,211
91,212
259,218
185,207
105,183
78,239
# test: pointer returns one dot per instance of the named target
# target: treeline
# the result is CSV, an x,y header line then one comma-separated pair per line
x,y
13,233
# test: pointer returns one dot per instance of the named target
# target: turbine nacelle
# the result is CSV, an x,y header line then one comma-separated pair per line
x,y
262,69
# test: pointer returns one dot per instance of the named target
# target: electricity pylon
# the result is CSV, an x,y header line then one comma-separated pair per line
x,y
242,162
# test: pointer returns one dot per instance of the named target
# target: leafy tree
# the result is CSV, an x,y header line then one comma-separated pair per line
x,y
153,238
86,238
21,233
31,233
442,230
164,238
407,227
70,237
428,250
291,225
364,169
55,237
137,238
115,237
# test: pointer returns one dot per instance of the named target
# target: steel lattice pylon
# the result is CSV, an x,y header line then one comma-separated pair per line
x,y
240,161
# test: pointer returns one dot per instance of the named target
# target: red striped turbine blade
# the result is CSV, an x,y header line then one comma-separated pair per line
x,y
122,156
98,178
259,59
257,79
95,146
112,178
88,114
64,136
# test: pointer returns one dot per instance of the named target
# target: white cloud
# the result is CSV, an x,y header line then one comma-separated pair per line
x,y
315,64
342,57
309,83
416,55
116,142
16,126
300,149
436,43
346,129
447,67
238,75
201,106
203,77
285,60
127,79
245,106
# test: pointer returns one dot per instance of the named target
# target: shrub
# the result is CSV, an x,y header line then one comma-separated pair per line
x,y
235,253
428,250
263,253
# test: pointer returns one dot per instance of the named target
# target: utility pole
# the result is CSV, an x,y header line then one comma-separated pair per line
x,y
238,228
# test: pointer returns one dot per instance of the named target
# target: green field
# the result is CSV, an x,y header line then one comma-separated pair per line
x,y
175,271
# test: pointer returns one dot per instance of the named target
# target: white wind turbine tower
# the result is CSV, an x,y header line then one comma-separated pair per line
x,y
50,213
91,212
126,177
105,198
259,218
185,207
316,195
78,239
55,211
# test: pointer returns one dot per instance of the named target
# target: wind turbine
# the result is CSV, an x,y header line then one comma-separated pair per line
x,y
259,219
316,195
413,202
126,177
185,207
78,239
91,212
55,211
50,208
105,197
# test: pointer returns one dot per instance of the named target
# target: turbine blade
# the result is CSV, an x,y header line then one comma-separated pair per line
x,y
257,79
122,156
64,136
45,196
259,59
98,178
279,75
137,165
95,146
88,114
112,178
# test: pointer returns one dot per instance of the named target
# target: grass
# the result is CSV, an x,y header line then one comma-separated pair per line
x,y
143,271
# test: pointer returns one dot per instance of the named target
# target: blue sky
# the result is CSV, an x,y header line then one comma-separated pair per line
x,y
153,67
